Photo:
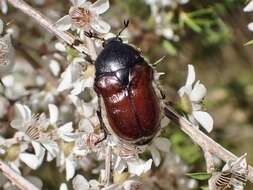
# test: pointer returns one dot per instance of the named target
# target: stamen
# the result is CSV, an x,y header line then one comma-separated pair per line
x,y
80,16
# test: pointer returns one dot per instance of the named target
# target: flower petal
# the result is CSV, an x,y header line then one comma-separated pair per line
x,y
63,23
139,166
66,82
190,76
1,26
60,46
31,160
198,92
3,6
100,6
80,183
24,112
163,144
204,119
39,150
100,26
119,165
70,168
86,126
63,186
53,113
155,155
66,128
78,2
164,122
65,132
250,26
249,7
51,146
17,124
132,184
54,67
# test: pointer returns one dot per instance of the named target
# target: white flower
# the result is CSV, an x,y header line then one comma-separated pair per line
x,y
85,16
160,144
196,93
34,129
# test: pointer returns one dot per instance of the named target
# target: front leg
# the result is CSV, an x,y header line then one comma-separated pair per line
x,y
102,124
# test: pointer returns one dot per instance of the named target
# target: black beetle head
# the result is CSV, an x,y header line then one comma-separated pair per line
x,y
111,40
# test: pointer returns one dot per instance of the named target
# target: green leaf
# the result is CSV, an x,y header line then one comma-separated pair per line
x,y
204,188
200,175
190,22
158,61
169,47
249,43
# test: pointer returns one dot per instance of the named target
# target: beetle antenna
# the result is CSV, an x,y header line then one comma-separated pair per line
x,y
90,34
126,23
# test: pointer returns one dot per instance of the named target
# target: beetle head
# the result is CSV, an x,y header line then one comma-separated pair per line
x,y
112,40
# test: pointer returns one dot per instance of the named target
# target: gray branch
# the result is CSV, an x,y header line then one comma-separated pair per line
x,y
205,142
15,178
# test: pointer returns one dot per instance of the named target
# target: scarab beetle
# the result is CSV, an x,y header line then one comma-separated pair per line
x,y
124,82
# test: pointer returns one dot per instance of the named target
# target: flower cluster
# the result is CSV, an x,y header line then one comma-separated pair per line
x,y
164,26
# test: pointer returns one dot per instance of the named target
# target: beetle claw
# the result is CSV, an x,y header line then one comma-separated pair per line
x,y
89,34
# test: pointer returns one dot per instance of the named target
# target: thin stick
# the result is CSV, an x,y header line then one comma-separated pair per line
x,y
108,159
205,142
47,24
15,178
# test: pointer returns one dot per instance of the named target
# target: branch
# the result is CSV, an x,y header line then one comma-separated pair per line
x,y
205,142
87,48
15,178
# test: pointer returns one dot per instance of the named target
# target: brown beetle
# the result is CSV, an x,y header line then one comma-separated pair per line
x,y
124,82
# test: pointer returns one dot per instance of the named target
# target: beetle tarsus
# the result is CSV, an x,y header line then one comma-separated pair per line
x,y
91,34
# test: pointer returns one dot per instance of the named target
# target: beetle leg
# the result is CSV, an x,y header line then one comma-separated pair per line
x,y
102,124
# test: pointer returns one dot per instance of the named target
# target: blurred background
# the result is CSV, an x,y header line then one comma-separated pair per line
x,y
210,34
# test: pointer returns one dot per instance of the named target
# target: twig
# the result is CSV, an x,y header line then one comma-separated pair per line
x,y
108,159
205,142
15,178
209,161
47,24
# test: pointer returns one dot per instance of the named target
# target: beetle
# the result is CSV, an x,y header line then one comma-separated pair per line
x,y
123,81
